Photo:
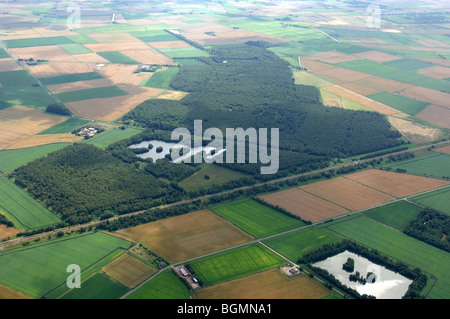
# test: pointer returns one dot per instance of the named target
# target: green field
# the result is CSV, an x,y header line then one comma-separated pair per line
x,y
158,38
21,209
12,159
38,269
438,200
97,287
188,52
255,218
396,215
74,48
106,138
188,61
400,246
81,39
94,93
295,244
70,78
235,263
434,165
409,64
399,102
161,79
17,89
117,57
3,54
33,42
217,175
166,285
67,126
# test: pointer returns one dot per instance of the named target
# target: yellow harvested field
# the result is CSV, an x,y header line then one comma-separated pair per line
x,y
172,95
27,120
6,232
343,74
302,204
383,84
59,68
270,284
8,65
169,44
8,137
314,65
47,52
109,109
44,139
435,115
186,236
129,271
437,72
122,74
361,89
148,57
79,85
332,57
445,149
90,58
347,193
428,95
9,293
414,132
396,184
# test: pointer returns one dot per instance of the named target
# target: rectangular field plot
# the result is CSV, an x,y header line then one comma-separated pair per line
x,y
235,263
436,115
399,102
33,42
438,200
432,260
347,193
21,209
93,93
111,136
435,166
69,78
300,203
161,79
38,269
74,48
397,214
129,271
270,284
117,57
182,237
295,244
97,287
396,184
256,219
166,285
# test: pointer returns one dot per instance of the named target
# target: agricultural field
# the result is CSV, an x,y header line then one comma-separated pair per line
x,y
255,218
191,235
21,209
40,268
438,200
165,285
234,264
270,284
98,286
434,165
110,136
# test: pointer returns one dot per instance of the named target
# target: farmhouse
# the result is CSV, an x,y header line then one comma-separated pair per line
x,y
184,272
87,131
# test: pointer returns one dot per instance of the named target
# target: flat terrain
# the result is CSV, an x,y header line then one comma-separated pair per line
x,y
179,238
270,284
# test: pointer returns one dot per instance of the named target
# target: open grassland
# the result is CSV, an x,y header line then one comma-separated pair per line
x,y
295,244
166,285
21,209
108,137
400,246
38,269
161,79
347,193
256,219
433,165
396,184
300,203
97,286
93,93
270,284
438,200
182,237
396,215
234,264
217,175
12,159
399,102
129,271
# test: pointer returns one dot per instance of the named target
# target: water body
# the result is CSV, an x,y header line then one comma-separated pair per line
x,y
167,147
388,284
